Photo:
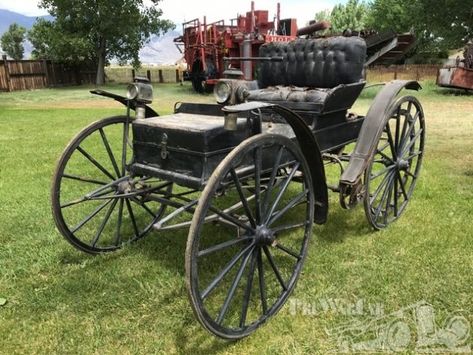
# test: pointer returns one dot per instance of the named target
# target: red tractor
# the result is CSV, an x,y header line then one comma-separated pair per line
x,y
205,45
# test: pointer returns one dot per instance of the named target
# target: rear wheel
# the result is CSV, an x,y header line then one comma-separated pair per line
x,y
394,168
200,76
249,236
98,206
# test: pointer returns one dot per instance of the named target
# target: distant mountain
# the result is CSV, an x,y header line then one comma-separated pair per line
x,y
159,50
9,17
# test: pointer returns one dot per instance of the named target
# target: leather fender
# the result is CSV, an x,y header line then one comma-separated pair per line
x,y
149,112
309,148
372,129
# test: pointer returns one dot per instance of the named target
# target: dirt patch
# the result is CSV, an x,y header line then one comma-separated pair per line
x,y
105,103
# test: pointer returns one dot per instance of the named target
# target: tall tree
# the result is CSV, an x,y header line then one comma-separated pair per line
x,y
323,15
438,24
450,22
396,15
12,41
51,42
351,16
102,30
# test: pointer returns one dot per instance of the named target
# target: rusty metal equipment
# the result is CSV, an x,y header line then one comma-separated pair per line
x,y
244,178
204,45
388,47
459,76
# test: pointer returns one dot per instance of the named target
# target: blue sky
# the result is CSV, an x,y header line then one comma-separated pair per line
x,y
184,10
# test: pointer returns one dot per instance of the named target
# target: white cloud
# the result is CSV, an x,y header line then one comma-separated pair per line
x,y
25,7
184,10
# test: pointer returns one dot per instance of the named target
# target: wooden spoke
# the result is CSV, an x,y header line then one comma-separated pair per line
x,y
109,152
281,192
95,163
89,217
275,268
222,246
243,199
84,179
233,287
225,271
249,286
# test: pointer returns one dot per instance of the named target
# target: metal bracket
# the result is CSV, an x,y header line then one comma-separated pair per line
x,y
164,144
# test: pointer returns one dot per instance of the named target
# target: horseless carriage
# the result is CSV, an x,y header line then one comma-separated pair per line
x,y
245,176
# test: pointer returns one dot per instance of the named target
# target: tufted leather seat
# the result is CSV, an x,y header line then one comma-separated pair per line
x,y
289,93
311,70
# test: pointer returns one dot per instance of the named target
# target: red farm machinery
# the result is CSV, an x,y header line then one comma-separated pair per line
x,y
205,45
210,49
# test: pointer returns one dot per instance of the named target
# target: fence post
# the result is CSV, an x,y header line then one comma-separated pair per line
x,y
132,74
395,72
7,72
177,76
46,73
161,79
148,75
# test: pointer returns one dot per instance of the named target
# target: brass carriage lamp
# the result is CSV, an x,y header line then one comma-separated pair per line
x,y
140,91
230,92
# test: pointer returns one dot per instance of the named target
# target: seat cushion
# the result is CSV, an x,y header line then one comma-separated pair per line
x,y
289,93
316,63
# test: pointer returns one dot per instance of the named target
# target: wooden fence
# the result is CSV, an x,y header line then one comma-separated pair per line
x,y
38,74
407,72
172,74
164,74
34,74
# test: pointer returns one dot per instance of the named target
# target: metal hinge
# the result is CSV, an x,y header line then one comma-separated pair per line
x,y
164,144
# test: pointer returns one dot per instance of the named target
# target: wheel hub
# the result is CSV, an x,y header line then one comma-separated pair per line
x,y
125,187
264,236
402,164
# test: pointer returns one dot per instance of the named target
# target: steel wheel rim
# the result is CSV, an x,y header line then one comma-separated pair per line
x,y
253,253
119,198
396,163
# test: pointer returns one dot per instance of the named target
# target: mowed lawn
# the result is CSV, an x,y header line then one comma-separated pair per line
x,y
59,300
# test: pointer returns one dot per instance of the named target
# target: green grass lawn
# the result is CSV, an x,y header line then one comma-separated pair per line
x,y
59,300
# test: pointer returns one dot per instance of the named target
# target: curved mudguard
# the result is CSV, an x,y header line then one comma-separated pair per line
x,y
149,112
309,148
372,128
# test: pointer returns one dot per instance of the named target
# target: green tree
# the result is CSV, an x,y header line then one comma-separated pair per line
x,y
12,41
351,16
448,22
323,15
67,47
396,15
438,24
97,30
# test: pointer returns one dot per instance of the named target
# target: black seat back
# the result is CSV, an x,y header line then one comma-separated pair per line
x,y
317,63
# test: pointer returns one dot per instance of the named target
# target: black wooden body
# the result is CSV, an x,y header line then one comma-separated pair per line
x,y
186,147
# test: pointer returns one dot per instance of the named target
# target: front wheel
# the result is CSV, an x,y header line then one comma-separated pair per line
x,y
249,236
97,205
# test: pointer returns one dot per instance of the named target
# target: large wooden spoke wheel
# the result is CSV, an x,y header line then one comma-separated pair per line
x,y
394,168
97,205
249,236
